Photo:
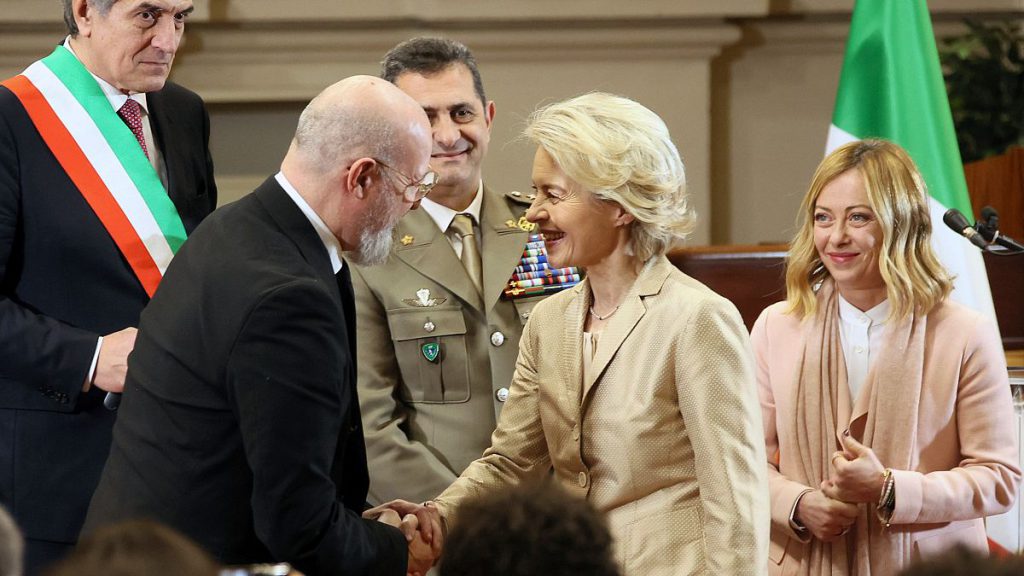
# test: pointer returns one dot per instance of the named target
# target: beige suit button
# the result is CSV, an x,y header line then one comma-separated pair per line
x,y
582,480
576,432
501,394
497,339
429,326
516,193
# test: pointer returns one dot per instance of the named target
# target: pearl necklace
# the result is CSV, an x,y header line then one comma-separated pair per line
x,y
606,316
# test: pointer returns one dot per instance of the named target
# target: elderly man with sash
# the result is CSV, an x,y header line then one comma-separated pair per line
x,y
104,170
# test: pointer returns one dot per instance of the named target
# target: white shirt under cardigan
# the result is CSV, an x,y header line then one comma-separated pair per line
x,y
861,335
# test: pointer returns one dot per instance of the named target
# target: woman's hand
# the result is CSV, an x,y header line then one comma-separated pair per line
x,y
825,518
856,474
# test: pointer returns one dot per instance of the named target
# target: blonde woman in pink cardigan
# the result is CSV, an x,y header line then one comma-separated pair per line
x,y
887,410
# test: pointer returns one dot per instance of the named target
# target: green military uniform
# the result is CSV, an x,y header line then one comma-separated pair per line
x,y
434,369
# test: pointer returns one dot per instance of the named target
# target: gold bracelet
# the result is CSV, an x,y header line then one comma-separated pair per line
x,y
887,499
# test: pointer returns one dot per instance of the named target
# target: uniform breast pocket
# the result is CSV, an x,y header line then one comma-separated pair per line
x,y
430,344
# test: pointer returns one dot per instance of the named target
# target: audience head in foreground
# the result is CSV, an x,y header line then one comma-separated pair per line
x,y
543,531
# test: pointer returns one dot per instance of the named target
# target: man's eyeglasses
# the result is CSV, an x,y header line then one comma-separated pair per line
x,y
420,187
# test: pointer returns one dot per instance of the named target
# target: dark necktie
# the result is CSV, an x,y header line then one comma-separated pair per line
x,y
131,113
348,306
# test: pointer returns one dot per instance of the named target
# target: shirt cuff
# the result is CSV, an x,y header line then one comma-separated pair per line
x,y
92,366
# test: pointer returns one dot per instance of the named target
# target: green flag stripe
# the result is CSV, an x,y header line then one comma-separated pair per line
x,y
892,87
88,93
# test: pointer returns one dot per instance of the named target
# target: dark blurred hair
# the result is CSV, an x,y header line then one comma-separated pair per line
x,y
136,548
427,56
961,561
531,530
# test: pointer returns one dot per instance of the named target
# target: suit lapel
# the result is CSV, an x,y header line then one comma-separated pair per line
x,y
632,309
572,342
294,224
163,126
502,246
431,254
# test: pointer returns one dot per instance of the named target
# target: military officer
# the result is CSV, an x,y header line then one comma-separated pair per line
x,y
439,323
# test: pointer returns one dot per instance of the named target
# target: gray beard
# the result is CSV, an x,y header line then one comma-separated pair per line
x,y
375,243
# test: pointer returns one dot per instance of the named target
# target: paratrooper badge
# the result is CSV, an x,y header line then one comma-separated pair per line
x,y
423,299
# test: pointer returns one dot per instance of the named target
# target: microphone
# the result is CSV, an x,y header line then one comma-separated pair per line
x,y
988,225
956,221
111,401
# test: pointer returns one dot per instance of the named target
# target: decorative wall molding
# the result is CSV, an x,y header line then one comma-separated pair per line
x,y
293,62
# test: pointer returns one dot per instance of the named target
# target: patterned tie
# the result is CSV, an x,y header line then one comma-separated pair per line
x,y
131,113
462,225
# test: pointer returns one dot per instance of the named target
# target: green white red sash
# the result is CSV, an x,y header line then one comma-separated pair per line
x,y
104,160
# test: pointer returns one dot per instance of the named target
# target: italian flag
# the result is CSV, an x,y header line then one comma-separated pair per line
x,y
891,87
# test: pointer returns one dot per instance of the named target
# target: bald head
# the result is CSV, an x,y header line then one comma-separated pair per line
x,y
361,116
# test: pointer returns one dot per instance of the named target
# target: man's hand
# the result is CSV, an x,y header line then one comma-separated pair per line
x,y
428,522
825,518
421,554
112,365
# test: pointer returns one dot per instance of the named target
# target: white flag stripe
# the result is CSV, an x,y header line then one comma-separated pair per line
x,y
837,137
104,161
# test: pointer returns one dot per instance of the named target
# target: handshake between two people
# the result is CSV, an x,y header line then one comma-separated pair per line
x,y
421,526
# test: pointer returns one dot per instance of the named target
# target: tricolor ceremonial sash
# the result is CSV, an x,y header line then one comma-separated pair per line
x,y
104,160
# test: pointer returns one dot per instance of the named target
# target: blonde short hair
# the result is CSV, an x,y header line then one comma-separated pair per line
x,y
622,152
914,278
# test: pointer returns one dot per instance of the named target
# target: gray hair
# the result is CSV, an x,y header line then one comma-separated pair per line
x,y
325,133
69,16
620,151
426,56
12,546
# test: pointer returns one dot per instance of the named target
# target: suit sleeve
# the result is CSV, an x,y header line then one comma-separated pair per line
x,y
37,352
784,492
399,466
519,449
988,476
718,402
287,379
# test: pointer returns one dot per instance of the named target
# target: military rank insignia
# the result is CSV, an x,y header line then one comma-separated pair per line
x,y
533,276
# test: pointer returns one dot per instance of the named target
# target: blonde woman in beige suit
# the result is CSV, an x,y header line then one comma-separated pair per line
x,y
887,410
635,388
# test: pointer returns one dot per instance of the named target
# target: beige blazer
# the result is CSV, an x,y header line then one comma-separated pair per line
x,y
424,421
965,466
665,438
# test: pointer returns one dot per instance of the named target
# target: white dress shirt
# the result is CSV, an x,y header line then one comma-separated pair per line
x,y
861,335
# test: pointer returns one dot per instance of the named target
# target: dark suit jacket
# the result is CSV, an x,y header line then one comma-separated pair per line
x,y
240,421
63,282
